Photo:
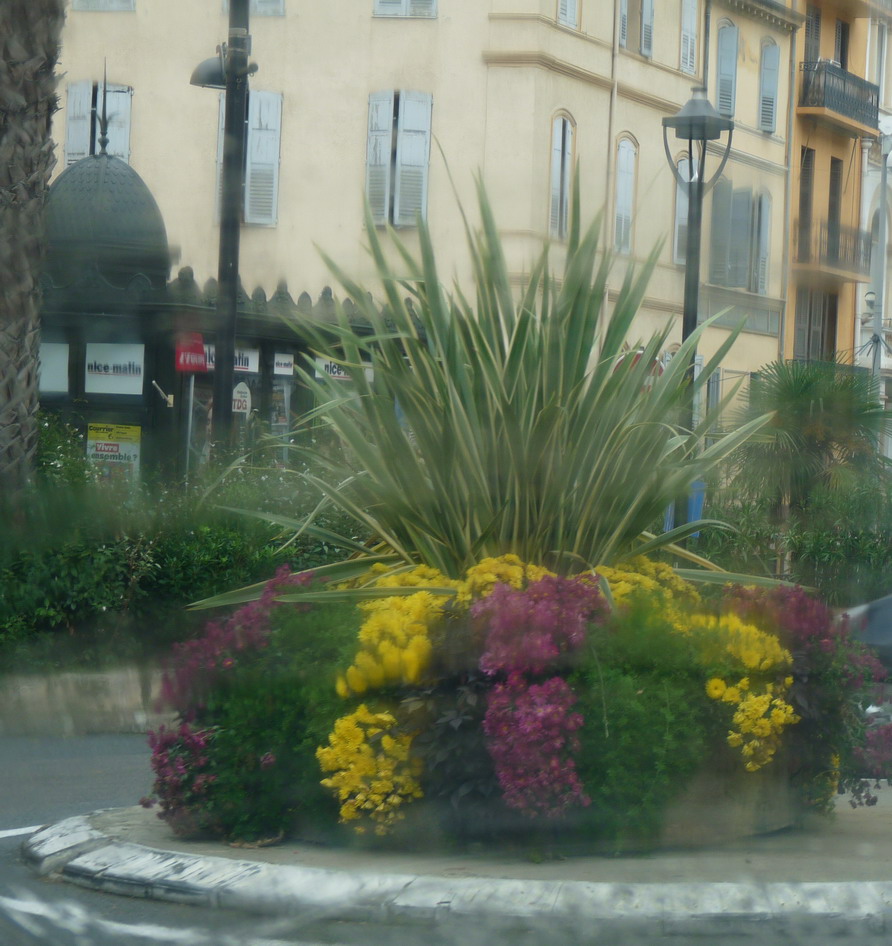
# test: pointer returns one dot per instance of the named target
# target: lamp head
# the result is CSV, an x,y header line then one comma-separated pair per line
x,y
210,74
697,120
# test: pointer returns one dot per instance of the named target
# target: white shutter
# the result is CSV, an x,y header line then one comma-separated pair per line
x,y
262,7
761,236
105,6
568,170
379,155
647,27
412,158
117,109
391,7
567,12
262,157
768,87
221,129
624,23
680,243
625,183
557,144
689,36
739,261
423,8
727,70
719,233
77,121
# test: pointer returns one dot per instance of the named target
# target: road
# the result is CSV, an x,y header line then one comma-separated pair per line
x,y
45,779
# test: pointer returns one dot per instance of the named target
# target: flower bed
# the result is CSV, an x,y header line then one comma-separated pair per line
x,y
607,710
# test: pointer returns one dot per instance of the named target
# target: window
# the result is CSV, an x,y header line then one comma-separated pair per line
x,y
806,202
739,238
84,104
726,69
109,6
568,13
405,8
264,125
626,154
768,86
841,44
812,34
689,36
879,42
398,156
814,330
640,15
561,171
680,236
262,7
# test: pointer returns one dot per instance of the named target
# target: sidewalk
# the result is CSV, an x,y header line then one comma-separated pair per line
x,y
831,882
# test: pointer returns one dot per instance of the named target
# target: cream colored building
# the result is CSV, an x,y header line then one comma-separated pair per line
x,y
405,99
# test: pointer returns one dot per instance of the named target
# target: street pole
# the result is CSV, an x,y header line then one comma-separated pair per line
x,y
231,202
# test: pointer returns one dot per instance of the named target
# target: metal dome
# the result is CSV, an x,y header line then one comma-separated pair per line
x,y
102,218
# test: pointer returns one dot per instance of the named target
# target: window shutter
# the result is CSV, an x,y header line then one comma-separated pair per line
x,y
262,7
567,171
689,36
625,183
378,156
117,108
262,158
727,70
423,8
761,233
221,128
741,238
567,12
812,34
647,27
800,324
841,44
561,157
412,158
719,233
104,6
768,91
391,7
624,23
680,247
77,121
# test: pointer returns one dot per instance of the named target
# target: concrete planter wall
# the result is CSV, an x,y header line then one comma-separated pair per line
x,y
119,700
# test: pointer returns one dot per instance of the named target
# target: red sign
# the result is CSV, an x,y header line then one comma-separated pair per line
x,y
190,354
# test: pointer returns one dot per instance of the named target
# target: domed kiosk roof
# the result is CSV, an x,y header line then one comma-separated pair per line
x,y
101,218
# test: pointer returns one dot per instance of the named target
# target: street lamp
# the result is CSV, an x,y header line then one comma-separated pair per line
x,y
229,71
697,123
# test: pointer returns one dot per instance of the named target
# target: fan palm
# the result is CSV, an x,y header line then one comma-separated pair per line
x,y
29,43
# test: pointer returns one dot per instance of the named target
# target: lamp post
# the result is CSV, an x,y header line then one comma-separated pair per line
x,y
697,123
229,71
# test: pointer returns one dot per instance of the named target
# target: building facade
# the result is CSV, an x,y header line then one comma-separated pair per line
x,y
403,102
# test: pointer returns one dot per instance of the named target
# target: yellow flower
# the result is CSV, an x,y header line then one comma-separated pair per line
x,y
731,695
715,688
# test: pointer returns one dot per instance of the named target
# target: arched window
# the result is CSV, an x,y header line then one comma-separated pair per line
x,y
768,76
726,69
626,154
561,175
680,233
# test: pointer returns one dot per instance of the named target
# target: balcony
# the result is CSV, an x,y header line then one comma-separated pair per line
x,y
843,251
832,94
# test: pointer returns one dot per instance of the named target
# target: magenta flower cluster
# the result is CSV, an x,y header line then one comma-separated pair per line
x,y
197,664
875,757
183,779
531,629
530,726
531,737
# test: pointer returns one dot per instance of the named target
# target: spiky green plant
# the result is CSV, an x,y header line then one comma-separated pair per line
x,y
510,423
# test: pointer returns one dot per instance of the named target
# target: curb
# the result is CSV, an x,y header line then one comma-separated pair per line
x,y
470,910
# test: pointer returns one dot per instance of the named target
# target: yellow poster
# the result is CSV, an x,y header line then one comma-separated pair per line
x,y
114,448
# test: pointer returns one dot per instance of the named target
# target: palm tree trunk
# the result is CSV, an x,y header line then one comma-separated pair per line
x,y
30,32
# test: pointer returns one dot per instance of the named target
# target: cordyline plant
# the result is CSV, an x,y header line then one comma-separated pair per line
x,y
533,424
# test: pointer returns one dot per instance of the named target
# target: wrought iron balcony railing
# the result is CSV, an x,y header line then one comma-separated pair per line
x,y
834,246
827,85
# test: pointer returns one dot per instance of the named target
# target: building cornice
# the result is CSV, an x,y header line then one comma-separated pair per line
x,y
541,60
770,11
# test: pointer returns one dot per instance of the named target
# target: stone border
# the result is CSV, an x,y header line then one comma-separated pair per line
x,y
547,911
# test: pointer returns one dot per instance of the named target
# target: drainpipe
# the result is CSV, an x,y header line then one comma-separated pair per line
x,y
785,265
